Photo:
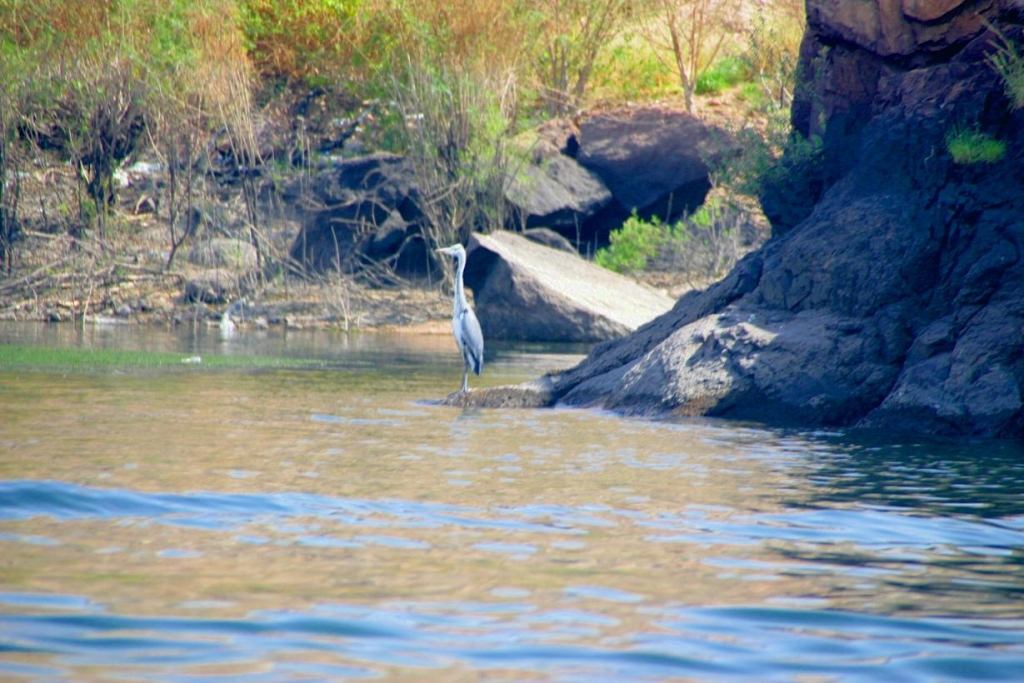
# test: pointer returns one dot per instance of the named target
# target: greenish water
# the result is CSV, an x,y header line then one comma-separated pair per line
x,y
278,506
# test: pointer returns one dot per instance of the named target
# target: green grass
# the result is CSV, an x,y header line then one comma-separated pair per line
x,y
629,69
723,74
970,146
16,357
753,94
1008,62
632,245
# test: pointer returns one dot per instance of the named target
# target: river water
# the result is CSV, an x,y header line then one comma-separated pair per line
x,y
297,506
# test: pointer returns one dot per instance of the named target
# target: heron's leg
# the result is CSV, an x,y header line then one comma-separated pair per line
x,y
465,379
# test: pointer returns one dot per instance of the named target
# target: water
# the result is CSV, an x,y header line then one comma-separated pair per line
x,y
321,517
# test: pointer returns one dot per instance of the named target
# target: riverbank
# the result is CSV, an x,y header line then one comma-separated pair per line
x,y
93,280
117,271
62,279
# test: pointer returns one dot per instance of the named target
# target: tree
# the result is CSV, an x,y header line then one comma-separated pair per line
x,y
692,32
569,35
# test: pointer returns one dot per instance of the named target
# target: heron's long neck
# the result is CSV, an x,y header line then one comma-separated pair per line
x,y
460,291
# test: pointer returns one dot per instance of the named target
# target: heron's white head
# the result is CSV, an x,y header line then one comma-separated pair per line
x,y
455,251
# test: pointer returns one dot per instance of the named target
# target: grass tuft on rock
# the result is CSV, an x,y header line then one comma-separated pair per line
x,y
970,146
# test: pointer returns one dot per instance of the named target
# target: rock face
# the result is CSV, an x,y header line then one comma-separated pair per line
x,y
898,28
892,293
526,291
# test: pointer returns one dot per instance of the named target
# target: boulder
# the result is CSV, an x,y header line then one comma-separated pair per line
x,y
355,200
213,287
525,291
549,238
556,192
803,368
557,136
224,253
653,160
582,182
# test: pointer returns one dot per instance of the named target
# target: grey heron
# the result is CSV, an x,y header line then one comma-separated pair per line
x,y
227,323
465,326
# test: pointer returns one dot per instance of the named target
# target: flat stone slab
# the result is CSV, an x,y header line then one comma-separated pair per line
x,y
525,291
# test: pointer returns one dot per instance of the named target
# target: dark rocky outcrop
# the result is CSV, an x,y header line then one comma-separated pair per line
x,y
525,291
362,207
892,293
581,182
557,193
653,160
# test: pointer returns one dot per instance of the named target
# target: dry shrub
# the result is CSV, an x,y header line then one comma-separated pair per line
x,y
566,37
27,23
105,124
204,95
302,39
103,73
774,48
689,34
480,36
453,131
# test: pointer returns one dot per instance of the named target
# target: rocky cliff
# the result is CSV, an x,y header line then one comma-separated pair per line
x,y
892,292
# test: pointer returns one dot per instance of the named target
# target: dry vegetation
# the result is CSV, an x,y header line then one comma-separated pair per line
x,y
204,89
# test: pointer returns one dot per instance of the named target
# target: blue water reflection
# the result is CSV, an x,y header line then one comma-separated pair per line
x,y
325,524
736,643
570,642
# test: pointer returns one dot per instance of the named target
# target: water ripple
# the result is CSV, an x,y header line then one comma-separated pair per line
x,y
728,642
591,628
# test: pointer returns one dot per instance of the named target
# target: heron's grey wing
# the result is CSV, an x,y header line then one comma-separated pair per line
x,y
471,340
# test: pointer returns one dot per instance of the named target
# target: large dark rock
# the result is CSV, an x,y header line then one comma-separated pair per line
x,y
556,192
585,182
550,189
653,160
525,291
355,208
895,299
